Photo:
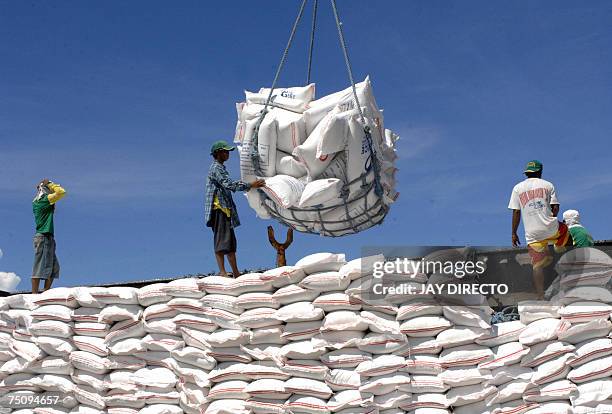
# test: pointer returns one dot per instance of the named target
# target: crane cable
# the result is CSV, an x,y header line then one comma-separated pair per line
x,y
312,38
284,56
254,151
373,164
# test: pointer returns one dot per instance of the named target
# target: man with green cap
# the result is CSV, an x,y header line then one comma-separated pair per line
x,y
536,201
220,211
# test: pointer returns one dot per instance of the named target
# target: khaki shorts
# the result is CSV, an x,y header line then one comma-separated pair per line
x,y
46,264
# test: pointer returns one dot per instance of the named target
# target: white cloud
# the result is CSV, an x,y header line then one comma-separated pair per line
x,y
9,281
414,141
105,174
591,187
1,253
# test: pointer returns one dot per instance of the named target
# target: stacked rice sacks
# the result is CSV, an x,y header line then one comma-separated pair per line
x,y
308,339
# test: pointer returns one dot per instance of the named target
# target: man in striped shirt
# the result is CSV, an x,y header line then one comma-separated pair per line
x,y
220,212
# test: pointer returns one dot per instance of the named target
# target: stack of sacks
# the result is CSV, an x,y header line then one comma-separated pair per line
x,y
585,307
558,357
304,339
36,339
445,356
311,152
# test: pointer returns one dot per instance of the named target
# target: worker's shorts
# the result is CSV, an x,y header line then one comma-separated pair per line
x,y
224,236
540,253
46,264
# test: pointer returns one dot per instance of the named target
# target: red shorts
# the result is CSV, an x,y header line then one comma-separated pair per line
x,y
540,253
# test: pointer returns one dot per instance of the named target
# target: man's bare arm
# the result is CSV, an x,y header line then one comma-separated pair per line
x,y
516,220
555,209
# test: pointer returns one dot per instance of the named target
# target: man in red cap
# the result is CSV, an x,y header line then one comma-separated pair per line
x,y
536,201
220,211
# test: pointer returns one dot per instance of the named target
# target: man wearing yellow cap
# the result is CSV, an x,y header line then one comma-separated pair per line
x,y
536,201
219,210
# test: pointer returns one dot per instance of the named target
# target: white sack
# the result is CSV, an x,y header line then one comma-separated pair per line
x,y
287,164
320,192
284,190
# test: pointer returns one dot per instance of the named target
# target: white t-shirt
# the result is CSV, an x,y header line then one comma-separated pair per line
x,y
534,197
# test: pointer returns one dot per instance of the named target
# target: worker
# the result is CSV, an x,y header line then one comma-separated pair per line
x,y
220,211
536,201
580,235
46,266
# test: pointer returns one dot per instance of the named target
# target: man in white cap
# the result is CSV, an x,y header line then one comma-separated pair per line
x,y
580,235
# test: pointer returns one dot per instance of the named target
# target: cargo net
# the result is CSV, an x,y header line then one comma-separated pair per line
x,y
329,164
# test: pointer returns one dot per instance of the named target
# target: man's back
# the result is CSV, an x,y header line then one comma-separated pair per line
x,y
533,197
581,236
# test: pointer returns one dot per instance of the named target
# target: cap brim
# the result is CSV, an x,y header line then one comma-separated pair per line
x,y
531,170
223,148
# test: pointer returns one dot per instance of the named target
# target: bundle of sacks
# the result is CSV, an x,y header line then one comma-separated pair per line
x,y
307,338
314,156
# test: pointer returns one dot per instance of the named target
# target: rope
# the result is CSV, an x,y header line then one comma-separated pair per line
x,y
506,315
312,36
346,59
368,136
373,214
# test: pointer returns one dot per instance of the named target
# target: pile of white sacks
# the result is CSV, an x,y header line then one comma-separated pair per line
x,y
314,152
304,339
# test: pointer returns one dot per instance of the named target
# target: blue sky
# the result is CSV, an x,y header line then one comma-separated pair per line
x,y
119,102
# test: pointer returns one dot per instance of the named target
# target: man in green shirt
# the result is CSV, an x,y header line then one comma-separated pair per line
x,y
580,235
46,266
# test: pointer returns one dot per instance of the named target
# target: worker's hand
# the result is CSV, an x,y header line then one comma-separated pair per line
x,y
45,182
515,240
258,184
